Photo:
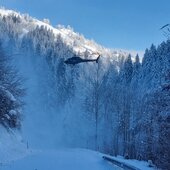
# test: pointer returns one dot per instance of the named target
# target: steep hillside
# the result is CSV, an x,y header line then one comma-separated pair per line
x,y
74,40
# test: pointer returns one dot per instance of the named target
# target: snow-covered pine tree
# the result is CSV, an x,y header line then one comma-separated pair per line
x,y
126,77
11,93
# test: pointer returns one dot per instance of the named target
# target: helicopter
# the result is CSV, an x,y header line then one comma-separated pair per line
x,y
77,60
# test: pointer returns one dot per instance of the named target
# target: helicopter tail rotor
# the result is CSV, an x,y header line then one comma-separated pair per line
x,y
97,60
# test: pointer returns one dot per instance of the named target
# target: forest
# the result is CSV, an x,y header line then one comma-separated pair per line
x,y
120,106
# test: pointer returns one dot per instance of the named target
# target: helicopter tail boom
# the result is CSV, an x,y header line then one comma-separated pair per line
x,y
97,60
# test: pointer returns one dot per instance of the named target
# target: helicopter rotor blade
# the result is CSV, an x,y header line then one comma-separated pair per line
x,y
164,26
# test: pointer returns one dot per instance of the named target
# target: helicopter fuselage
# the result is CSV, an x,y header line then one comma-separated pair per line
x,y
77,60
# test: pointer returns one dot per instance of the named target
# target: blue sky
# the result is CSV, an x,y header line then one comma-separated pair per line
x,y
125,24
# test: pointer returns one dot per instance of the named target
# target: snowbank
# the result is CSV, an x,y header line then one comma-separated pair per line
x,y
11,146
141,165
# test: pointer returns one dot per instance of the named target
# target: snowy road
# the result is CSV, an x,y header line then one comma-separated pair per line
x,y
66,159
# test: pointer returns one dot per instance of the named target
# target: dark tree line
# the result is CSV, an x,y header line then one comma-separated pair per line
x,y
145,117
135,104
11,93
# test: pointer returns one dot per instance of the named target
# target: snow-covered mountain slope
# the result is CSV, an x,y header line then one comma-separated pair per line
x,y
75,40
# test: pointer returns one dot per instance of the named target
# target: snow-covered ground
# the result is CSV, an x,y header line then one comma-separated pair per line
x,y
65,159
11,146
15,155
